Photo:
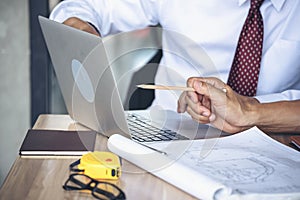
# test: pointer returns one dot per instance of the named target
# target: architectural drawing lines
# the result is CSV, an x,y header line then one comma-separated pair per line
x,y
233,169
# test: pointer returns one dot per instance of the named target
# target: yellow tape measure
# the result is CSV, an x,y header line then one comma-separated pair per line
x,y
98,165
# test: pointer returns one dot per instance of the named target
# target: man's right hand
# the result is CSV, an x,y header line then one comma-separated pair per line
x,y
223,108
81,25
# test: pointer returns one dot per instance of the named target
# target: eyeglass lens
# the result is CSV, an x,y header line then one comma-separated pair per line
x,y
100,190
107,191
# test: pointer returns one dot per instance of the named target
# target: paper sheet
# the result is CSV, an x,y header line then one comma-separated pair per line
x,y
245,165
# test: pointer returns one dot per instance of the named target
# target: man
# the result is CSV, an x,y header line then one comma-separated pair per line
x,y
194,27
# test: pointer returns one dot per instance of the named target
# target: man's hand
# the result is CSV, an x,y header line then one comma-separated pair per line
x,y
81,25
216,103
197,105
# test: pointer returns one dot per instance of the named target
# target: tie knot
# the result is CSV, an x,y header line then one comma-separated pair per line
x,y
255,4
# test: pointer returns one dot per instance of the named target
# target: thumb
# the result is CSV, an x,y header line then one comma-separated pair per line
x,y
208,90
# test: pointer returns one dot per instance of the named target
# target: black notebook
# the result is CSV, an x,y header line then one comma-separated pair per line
x,y
57,142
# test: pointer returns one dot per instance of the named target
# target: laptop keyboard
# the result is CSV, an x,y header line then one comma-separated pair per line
x,y
142,131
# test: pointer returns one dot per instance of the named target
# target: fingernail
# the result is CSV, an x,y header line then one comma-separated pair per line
x,y
212,118
206,114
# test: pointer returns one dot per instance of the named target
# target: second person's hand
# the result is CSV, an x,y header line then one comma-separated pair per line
x,y
81,25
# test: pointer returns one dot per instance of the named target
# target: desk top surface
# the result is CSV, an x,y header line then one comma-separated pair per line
x,y
43,177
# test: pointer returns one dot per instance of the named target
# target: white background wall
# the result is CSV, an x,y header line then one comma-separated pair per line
x,y
14,80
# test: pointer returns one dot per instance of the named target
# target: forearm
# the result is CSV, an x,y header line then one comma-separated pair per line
x,y
282,116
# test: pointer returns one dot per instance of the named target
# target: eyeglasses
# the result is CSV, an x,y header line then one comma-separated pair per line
x,y
100,190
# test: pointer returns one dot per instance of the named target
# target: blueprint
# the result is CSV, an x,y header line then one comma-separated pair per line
x,y
245,164
250,162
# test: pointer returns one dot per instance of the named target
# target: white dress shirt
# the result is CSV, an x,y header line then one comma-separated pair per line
x,y
201,37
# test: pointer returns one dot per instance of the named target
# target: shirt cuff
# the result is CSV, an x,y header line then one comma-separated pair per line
x,y
284,96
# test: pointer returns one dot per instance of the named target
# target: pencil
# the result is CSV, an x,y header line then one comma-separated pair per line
x,y
163,87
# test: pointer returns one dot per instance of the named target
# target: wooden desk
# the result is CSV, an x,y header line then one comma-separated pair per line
x,y
43,177
35,178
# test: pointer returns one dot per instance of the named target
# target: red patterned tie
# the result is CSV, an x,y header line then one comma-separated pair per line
x,y
243,76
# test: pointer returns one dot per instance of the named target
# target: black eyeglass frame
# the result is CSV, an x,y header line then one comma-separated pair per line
x,y
92,186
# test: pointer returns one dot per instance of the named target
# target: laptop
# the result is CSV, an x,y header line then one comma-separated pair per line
x,y
90,90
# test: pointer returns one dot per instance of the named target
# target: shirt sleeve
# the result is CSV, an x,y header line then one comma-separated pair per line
x,y
110,16
284,96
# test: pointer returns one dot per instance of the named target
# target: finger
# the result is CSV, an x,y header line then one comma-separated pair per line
x,y
212,117
181,103
206,102
212,81
191,80
195,97
198,118
197,108
200,97
208,90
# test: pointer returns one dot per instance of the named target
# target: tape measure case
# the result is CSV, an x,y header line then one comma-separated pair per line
x,y
100,165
